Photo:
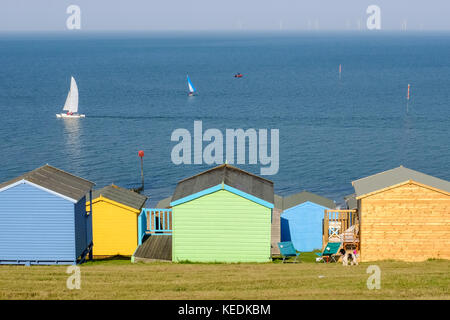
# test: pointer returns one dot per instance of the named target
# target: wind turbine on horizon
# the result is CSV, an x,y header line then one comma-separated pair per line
x,y
404,24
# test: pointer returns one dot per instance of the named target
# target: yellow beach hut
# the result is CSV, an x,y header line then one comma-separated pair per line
x,y
115,212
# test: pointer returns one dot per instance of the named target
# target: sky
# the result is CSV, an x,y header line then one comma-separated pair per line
x,y
199,15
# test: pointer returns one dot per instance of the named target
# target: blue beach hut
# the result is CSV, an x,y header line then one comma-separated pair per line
x,y
43,218
301,219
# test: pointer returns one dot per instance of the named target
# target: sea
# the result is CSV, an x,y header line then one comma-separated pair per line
x,y
334,127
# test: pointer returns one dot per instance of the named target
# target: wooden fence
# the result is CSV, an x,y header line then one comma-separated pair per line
x,y
337,222
154,221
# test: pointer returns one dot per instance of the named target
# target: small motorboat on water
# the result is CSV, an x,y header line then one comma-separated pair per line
x,y
71,105
238,75
191,87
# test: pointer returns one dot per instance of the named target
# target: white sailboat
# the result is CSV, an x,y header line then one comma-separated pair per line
x,y
190,87
71,105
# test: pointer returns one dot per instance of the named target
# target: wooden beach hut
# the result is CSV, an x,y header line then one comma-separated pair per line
x,y
224,215
275,231
155,233
404,215
164,203
115,221
43,218
302,219
350,202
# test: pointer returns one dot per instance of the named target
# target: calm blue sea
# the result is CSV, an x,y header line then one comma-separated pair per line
x,y
133,91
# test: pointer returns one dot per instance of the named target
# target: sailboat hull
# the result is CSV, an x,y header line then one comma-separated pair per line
x,y
70,116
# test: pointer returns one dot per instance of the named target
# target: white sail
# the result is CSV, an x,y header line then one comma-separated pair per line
x,y
67,104
190,85
190,88
74,96
71,104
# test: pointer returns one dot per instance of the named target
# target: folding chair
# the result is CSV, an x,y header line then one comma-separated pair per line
x,y
287,250
330,252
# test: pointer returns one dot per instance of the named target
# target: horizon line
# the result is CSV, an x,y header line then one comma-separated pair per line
x,y
222,30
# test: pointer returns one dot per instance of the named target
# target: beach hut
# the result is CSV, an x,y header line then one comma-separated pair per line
x,y
223,215
155,233
350,202
276,229
43,218
115,221
302,220
404,215
164,203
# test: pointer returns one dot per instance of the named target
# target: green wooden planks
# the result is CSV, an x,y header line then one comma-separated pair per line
x,y
222,227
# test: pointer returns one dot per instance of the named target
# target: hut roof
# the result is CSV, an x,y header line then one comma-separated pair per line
x,y
394,177
304,196
56,180
121,195
164,203
229,175
351,201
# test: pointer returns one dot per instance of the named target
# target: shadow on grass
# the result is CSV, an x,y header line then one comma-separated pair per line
x,y
117,259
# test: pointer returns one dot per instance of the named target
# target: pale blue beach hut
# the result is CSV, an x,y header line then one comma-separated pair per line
x,y
43,218
301,219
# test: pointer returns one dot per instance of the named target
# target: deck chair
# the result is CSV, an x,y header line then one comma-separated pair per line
x,y
287,250
331,251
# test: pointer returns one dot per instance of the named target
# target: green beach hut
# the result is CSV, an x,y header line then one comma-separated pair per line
x,y
222,215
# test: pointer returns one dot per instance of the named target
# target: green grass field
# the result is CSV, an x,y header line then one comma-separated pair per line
x,y
120,279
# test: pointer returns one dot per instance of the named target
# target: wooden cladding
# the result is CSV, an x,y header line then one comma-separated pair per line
x,y
410,223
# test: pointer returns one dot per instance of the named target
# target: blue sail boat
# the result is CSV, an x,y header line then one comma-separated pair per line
x,y
190,87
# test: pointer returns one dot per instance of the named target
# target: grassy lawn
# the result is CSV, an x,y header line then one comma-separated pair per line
x,y
120,279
